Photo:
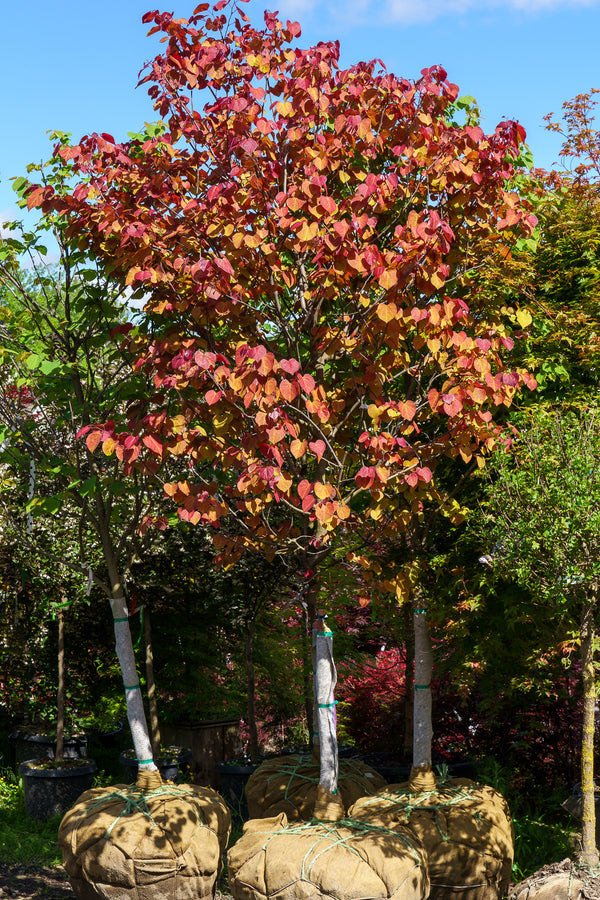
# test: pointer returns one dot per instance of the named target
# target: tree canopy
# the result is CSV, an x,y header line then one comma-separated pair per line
x,y
303,237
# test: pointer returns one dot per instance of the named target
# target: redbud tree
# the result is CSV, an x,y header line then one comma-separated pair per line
x,y
304,238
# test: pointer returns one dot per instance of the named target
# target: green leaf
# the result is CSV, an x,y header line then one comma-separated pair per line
x,y
50,367
33,361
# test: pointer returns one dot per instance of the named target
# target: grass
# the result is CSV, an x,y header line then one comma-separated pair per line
x,y
541,837
544,832
23,841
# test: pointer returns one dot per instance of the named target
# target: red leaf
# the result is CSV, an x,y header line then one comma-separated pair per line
x,y
365,476
153,444
291,366
213,397
307,383
224,265
249,145
318,447
303,488
308,502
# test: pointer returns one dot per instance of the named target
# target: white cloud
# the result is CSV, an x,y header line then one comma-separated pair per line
x,y
410,12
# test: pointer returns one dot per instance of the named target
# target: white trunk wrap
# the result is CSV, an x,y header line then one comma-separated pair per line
x,y
133,695
325,679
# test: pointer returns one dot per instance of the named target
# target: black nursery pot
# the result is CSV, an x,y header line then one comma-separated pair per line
x,y
233,776
26,745
51,788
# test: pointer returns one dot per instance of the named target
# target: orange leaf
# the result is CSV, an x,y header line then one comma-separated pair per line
x,y
387,311
152,443
318,447
288,390
92,440
408,410
387,279
298,448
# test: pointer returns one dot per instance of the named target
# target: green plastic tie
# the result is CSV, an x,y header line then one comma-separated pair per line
x,y
422,687
420,611
325,705
142,762
131,687
125,619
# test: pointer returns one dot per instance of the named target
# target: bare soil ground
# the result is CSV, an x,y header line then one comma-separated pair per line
x,y
31,882
43,882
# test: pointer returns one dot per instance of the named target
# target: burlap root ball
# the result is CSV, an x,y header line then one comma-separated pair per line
x,y
304,861
289,784
465,828
167,842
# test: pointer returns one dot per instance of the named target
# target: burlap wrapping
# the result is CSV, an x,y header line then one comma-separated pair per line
x,y
345,861
465,828
289,784
166,842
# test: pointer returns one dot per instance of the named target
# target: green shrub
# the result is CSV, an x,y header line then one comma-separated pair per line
x,y
22,840
544,832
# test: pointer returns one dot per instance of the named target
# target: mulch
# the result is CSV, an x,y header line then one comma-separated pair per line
x,y
562,881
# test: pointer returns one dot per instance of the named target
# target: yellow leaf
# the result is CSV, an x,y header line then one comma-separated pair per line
x,y
308,231
524,317
284,483
298,448
323,491
387,311
284,108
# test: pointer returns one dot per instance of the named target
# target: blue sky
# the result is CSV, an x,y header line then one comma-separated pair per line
x,y
73,66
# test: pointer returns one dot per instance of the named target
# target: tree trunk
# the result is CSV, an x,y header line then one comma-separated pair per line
x,y
589,852
136,715
409,695
60,694
423,730
151,684
325,679
251,688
